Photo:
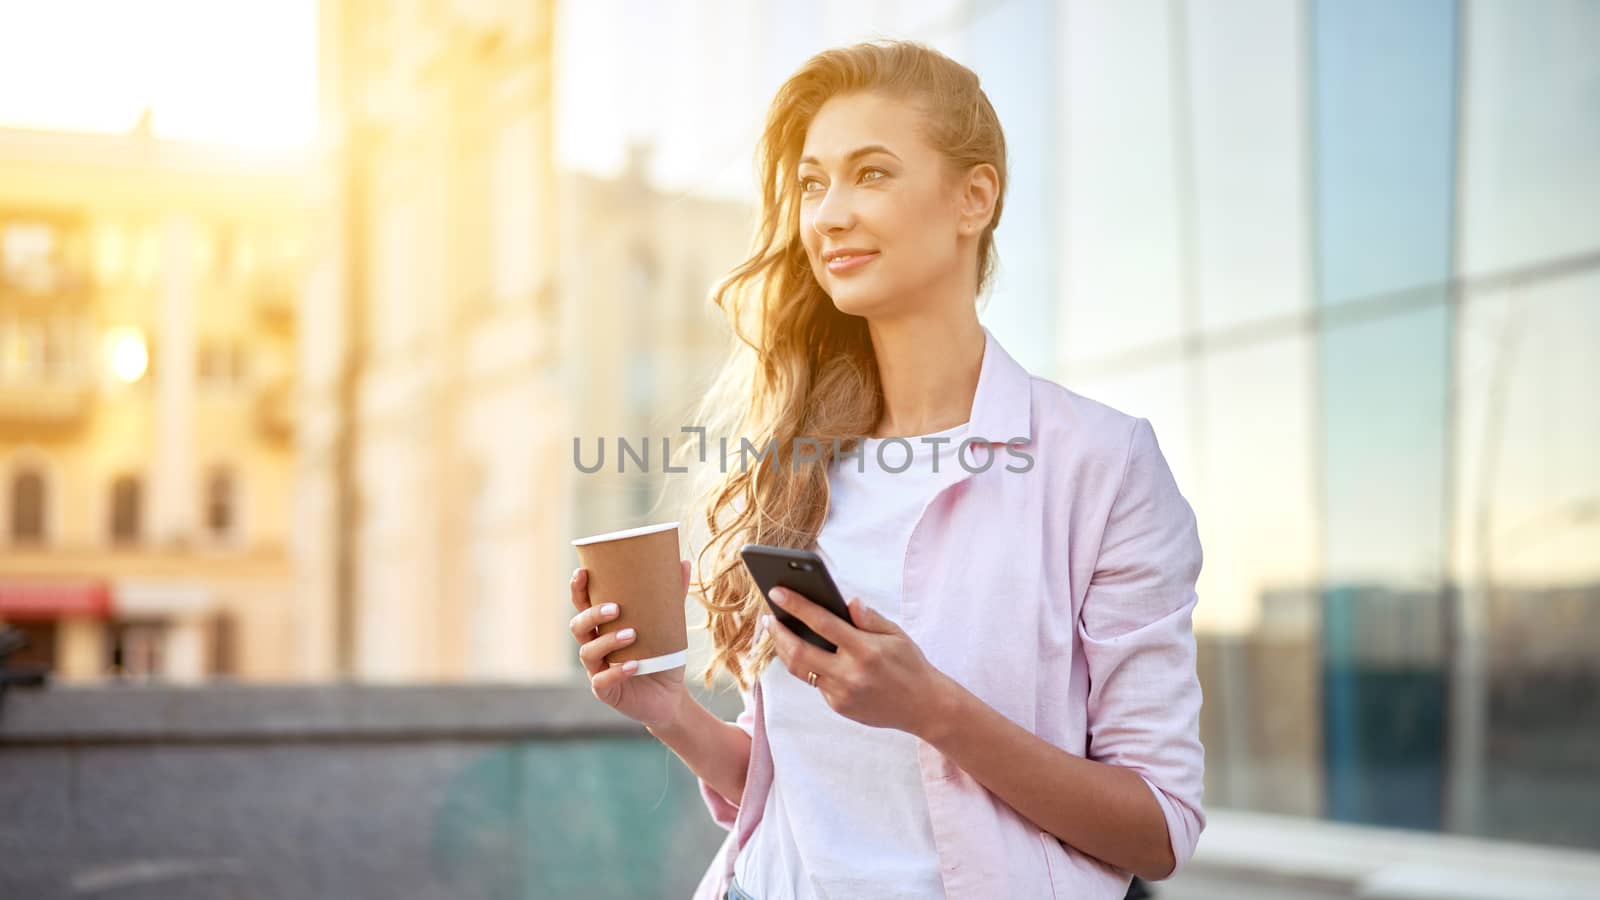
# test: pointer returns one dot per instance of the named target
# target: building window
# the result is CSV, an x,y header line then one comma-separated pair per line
x,y
27,253
220,504
639,299
643,496
224,641
27,507
223,363
127,496
138,648
110,253
239,359
210,362
222,252
28,351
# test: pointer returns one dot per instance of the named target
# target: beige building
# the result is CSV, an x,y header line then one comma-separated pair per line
x,y
147,333
638,283
431,399
472,312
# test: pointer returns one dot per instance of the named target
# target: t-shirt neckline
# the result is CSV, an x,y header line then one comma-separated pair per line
x,y
948,432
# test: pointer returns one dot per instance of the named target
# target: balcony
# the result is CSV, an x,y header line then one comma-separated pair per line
x,y
42,261
59,404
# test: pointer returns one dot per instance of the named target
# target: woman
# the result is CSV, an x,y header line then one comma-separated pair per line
x,y
1013,707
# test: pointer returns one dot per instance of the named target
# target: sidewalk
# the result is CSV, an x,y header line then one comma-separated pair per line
x,y
1247,855
1202,885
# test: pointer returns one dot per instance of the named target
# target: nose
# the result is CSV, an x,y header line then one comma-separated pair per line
x,y
833,212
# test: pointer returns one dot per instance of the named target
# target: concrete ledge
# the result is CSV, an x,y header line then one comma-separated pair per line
x,y
1387,863
467,791
93,767
224,713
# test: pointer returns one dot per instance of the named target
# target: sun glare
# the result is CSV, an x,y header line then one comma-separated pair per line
x,y
127,354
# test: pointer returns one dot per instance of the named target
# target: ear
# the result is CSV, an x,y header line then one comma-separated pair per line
x,y
978,198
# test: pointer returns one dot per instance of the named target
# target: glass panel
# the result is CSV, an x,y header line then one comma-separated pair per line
x,y
1384,408
1384,144
1530,154
1383,395
1015,55
1246,95
1255,449
1121,267
1257,621
1527,527
1383,114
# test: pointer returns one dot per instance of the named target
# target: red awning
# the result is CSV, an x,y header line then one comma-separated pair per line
x,y
23,600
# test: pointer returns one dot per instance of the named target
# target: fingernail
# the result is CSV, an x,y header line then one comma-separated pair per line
x,y
625,634
630,666
610,609
766,621
780,596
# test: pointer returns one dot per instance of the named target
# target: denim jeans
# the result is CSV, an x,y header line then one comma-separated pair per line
x,y
736,893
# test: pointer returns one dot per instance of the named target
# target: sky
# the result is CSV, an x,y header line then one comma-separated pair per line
x,y
698,77
244,73
229,72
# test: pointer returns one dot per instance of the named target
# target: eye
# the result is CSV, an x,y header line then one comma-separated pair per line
x,y
805,181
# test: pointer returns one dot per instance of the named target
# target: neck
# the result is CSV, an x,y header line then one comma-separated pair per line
x,y
928,366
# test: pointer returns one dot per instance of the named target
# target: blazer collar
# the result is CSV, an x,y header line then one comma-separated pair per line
x,y
1002,405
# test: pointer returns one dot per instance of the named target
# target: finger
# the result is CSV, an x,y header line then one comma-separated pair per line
x,y
607,678
800,656
580,588
685,564
593,653
584,624
775,631
868,619
823,622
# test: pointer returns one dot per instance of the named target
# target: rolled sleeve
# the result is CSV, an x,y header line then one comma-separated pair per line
x,y
723,810
1137,634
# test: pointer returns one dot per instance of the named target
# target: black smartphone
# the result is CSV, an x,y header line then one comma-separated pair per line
x,y
803,572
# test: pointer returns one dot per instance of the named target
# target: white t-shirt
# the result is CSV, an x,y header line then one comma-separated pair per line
x,y
847,816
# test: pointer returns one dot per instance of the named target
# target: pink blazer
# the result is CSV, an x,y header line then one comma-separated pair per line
x,y
1062,596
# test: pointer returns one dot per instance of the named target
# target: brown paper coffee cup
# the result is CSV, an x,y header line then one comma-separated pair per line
x,y
638,570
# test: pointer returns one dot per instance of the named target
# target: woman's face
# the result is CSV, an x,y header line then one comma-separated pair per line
x,y
868,182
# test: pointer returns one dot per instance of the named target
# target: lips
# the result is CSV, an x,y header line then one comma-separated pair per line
x,y
847,262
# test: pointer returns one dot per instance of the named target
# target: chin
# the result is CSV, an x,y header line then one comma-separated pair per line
x,y
857,303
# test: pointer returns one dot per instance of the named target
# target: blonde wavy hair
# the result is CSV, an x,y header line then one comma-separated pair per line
x,y
798,366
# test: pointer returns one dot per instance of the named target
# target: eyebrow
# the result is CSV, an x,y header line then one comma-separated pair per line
x,y
854,154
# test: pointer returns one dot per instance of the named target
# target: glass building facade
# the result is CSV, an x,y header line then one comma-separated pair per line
x,y
1346,257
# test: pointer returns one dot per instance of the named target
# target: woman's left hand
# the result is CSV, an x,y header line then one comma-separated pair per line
x,y
878,677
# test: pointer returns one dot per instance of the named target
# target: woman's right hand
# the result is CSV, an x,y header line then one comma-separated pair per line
x,y
652,699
